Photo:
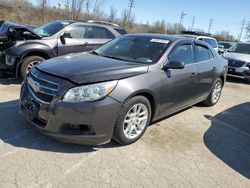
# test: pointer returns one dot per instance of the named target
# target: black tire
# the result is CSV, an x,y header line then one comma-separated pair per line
x,y
209,101
119,135
26,62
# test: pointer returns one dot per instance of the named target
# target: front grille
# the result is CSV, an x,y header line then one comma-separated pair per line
x,y
235,63
43,89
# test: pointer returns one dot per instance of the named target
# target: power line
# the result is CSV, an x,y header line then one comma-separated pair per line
x,y
131,5
241,30
181,19
210,25
192,23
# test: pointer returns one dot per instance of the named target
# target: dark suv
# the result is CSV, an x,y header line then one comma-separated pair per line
x,y
118,89
54,39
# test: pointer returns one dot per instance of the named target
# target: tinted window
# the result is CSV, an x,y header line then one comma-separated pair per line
x,y
225,44
183,54
213,43
243,48
78,31
101,33
208,41
136,49
121,31
202,54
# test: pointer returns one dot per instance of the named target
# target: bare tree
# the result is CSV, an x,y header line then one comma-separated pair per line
x,y
79,6
73,8
124,17
43,4
112,14
19,7
97,12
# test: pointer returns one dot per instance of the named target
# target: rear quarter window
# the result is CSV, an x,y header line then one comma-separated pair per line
x,y
121,31
203,53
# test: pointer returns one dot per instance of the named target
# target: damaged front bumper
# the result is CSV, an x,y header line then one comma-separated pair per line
x,y
90,123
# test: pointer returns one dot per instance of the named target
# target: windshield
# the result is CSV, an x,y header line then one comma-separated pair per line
x,y
136,49
240,48
226,45
50,29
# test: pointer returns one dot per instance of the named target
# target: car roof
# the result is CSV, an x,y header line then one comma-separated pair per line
x,y
104,24
198,36
159,36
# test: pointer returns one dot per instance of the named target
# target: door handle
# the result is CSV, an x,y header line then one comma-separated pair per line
x,y
214,69
193,74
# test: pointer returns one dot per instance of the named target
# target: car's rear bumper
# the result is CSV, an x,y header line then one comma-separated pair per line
x,y
90,123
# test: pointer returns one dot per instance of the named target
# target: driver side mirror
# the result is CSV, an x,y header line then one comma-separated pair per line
x,y
64,36
174,65
67,35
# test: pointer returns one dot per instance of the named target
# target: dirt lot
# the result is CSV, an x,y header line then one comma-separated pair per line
x,y
198,147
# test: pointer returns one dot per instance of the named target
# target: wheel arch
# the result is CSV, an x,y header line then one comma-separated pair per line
x,y
28,54
151,98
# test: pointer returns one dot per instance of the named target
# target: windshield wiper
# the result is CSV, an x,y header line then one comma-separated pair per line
x,y
112,57
94,52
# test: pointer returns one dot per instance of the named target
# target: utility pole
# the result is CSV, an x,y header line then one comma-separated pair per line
x,y
131,5
210,25
181,19
241,30
193,23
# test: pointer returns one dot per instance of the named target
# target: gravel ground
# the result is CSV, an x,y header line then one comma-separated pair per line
x,y
198,147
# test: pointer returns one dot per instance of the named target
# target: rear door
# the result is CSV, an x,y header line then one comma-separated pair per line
x,y
206,74
178,84
81,37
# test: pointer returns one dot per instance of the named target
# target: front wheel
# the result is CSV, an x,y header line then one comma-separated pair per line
x,y
28,63
133,120
215,94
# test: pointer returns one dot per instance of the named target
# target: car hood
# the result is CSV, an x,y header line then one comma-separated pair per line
x,y
83,68
12,32
17,31
237,56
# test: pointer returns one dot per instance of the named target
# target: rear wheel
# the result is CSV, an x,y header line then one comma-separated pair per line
x,y
28,63
133,120
215,94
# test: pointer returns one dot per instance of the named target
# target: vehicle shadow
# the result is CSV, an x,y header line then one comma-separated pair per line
x,y
229,137
16,131
8,80
237,80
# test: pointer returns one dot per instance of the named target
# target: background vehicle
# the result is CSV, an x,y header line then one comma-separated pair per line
x,y
28,48
238,57
6,40
203,37
224,46
115,91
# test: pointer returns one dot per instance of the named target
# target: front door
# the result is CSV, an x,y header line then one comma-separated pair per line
x,y
80,38
206,74
177,90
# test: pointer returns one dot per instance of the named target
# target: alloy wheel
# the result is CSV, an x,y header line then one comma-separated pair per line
x,y
216,92
31,65
135,121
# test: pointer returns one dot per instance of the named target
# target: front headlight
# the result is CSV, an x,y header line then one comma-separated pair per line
x,y
89,92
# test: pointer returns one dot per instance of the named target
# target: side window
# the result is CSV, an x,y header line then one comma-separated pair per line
x,y
101,33
214,44
77,31
183,54
202,53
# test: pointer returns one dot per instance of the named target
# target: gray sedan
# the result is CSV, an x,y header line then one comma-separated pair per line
x,y
117,90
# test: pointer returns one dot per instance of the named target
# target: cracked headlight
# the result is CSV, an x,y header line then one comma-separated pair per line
x,y
91,92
